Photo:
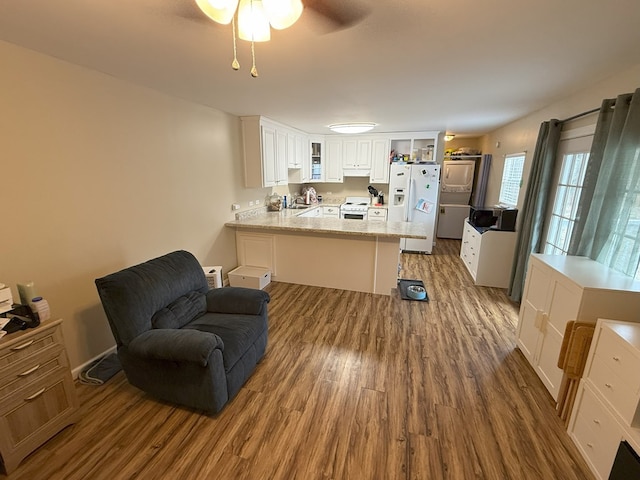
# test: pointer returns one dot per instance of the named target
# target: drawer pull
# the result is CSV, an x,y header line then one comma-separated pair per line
x,y
608,385
35,395
23,346
590,445
29,372
617,359
596,421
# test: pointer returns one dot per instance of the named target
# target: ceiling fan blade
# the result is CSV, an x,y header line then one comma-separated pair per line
x,y
338,13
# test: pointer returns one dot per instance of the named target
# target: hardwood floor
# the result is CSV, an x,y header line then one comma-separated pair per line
x,y
354,386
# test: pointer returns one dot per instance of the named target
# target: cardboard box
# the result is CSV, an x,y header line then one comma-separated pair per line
x,y
250,277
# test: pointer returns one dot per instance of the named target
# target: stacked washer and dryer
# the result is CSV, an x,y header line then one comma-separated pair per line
x,y
456,187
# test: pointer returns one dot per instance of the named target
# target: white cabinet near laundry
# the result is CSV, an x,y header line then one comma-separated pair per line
x,y
561,288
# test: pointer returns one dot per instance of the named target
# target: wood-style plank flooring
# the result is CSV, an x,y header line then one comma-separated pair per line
x,y
354,386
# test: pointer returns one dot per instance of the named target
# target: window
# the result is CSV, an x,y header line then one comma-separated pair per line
x,y
511,179
563,215
573,151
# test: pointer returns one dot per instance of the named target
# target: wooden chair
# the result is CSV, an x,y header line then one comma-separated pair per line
x,y
572,360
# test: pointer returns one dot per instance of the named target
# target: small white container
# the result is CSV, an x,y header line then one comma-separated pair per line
x,y
214,276
40,306
250,277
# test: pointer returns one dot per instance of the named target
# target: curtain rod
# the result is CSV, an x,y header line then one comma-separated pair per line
x,y
583,114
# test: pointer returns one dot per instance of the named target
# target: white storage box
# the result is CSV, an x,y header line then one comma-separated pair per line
x,y
214,276
250,277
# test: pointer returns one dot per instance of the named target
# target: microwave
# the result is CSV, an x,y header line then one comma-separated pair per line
x,y
493,218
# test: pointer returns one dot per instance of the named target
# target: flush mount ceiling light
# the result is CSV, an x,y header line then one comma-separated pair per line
x,y
448,137
254,19
352,127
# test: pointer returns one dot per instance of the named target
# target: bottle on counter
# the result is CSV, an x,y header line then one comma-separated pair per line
x,y
40,307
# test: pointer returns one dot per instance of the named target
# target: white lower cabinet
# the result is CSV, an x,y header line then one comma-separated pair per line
x,y
331,212
488,256
608,400
562,288
377,214
315,212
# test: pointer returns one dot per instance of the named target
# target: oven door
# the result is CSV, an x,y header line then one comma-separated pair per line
x,y
353,215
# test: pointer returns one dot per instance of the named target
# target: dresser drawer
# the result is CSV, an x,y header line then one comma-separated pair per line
x,y
615,353
614,388
596,433
35,414
29,342
32,369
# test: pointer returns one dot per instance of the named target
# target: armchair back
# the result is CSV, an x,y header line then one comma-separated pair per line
x,y
131,297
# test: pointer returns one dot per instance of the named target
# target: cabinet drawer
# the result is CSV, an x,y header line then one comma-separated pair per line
x,y
331,212
32,370
596,433
614,388
34,414
379,214
614,352
34,342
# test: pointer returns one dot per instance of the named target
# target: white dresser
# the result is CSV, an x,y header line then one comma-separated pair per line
x,y
608,400
563,288
488,256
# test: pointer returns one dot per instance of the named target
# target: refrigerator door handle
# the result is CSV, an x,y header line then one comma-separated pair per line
x,y
411,200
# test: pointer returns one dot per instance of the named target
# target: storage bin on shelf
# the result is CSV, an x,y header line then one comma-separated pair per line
x,y
250,277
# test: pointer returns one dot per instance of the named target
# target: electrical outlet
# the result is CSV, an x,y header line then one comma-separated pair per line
x,y
251,203
235,206
258,202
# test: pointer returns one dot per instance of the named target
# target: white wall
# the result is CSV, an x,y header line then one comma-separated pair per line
x,y
522,134
97,175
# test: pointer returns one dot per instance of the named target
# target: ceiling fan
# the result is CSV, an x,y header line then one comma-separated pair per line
x,y
255,18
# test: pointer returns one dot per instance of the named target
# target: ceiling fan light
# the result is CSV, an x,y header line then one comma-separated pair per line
x,y
448,137
220,11
282,13
253,24
352,127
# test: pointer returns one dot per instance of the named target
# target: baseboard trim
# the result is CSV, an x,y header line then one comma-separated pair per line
x,y
76,371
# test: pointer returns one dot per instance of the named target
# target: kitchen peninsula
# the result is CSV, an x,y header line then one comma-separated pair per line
x,y
355,255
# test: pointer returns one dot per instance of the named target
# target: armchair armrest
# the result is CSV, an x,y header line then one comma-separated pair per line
x,y
176,345
237,300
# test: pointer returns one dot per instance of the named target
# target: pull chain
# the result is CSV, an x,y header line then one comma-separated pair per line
x,y
254,70
235,65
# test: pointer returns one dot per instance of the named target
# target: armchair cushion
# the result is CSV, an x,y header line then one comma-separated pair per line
x,y
175,345
181,311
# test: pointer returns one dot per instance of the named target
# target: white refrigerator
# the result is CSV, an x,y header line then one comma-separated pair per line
x,y
413,191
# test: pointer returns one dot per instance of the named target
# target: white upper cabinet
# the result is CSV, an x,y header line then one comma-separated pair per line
x,y
379,161
333,160
265,152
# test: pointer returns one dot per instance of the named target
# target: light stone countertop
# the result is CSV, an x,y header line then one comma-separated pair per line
x,y
288,220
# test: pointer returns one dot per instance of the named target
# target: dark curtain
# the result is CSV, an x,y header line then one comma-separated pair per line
x,y
606,220
534,208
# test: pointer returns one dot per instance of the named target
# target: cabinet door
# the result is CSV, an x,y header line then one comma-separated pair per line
x,y
379,161
333,161
292,160
363,155
349,153
281,174
533,309
256,250
269,156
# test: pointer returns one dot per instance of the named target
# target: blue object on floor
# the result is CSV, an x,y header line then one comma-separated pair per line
x,y
405,294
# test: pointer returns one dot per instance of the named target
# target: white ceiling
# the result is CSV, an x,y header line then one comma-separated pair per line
x,y
463,66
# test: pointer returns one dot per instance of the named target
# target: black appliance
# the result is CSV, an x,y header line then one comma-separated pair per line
x,y
493,218
626,465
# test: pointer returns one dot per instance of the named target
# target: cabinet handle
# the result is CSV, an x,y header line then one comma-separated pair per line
x,y
29,372
35,395
596,421
617,359
23,346
590,445
608,385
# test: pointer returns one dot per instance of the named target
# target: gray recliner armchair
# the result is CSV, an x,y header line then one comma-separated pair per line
x,y
179,341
